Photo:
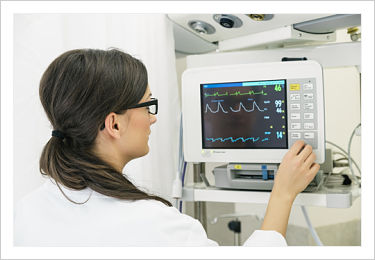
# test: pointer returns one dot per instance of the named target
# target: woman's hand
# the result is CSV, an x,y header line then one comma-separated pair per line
x,y
296,171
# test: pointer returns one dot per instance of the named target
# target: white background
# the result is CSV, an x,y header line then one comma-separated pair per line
x,y
8,133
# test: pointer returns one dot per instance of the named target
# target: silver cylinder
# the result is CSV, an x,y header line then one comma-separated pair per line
x,y
200,212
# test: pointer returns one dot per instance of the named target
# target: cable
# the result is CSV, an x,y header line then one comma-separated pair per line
x,y
177,184
334,178
180,179
183,174
349,157
340,159
356,165
311,228
180,148
183,180
346,157
346,154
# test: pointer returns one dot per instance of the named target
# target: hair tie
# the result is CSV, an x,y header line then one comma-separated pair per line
x,y
58,134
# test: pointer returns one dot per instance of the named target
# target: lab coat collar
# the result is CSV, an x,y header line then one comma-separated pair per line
x,y
75,195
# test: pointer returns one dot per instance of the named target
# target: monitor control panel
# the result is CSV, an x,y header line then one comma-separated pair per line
x,y
303,111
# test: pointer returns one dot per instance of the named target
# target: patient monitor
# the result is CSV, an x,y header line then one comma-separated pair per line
x,y
252,113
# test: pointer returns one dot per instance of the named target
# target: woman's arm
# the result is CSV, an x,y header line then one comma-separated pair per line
x,y
277,213
296,171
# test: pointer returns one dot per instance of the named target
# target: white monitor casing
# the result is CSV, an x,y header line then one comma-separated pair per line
x,y
295,71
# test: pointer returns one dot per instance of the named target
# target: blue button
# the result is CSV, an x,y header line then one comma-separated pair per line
x,y
264,172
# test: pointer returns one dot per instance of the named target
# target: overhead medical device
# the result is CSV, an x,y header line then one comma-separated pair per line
x,y
252,113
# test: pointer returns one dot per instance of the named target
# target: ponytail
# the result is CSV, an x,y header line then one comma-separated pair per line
x,y
77,91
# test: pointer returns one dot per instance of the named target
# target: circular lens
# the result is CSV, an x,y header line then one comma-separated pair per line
x,y
226,22
201,27
260,17
257,17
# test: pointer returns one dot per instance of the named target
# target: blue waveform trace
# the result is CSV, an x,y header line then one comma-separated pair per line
x,y
232,139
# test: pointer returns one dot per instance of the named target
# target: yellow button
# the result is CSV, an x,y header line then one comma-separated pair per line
x,y
295,86
238,166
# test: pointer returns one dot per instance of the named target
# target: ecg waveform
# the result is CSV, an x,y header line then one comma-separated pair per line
x,y
241,106
244,140
237,93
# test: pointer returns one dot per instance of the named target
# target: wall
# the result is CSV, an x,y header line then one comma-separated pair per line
x,y
31,127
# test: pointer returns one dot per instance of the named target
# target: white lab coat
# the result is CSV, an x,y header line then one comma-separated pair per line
x,y
46,218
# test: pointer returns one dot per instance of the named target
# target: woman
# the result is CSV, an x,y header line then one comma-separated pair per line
x,y
100,106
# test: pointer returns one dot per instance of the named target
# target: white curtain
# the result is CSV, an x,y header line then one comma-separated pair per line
x,y
39,38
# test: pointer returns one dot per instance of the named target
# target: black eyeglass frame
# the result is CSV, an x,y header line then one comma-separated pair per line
x,y
153,101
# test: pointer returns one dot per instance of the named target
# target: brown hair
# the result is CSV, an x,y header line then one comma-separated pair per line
x,y
78,90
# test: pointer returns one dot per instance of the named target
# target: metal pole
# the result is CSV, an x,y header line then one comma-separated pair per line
x,y
237,237
200,212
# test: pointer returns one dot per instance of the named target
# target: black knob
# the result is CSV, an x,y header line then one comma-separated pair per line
x,y
226,22
235,226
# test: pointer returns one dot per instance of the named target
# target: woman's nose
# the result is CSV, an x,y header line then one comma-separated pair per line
x,y
152,119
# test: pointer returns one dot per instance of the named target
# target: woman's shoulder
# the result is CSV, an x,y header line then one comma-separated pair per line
x,y
140,222
153,208
35,196
48,197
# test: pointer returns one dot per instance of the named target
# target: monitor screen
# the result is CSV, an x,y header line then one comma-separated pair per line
x,y
243,115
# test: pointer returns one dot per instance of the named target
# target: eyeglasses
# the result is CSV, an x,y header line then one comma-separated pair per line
x,y
151,105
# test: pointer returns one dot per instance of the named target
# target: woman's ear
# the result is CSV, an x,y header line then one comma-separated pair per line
x,y
112,125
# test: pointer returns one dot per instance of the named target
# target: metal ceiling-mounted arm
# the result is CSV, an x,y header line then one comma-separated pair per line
x,y
329,24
